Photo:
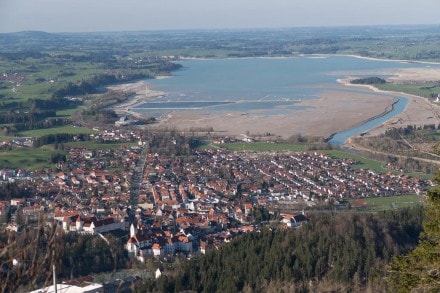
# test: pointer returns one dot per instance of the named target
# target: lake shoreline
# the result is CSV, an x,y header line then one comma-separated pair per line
x,y
316,55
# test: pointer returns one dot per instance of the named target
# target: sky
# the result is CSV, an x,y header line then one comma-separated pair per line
x,y
141,15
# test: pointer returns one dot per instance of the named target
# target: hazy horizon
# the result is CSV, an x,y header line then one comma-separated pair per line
x,y
138,15
229,29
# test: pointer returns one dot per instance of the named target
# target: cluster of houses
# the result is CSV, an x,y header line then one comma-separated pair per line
x,y
15,78
77,222
111,135
18,142
185,204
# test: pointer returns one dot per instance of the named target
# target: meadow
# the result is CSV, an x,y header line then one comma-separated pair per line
x,y
376,204
363,163
38,158
29,159
422,89
56,130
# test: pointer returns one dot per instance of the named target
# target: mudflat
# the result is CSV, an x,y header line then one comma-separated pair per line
x,y
332,111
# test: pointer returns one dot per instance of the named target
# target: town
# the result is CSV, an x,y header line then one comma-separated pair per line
x,y
164,203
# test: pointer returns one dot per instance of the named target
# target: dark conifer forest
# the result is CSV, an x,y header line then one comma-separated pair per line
x,y
333,250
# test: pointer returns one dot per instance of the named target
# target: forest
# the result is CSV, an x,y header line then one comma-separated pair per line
x,y
347,252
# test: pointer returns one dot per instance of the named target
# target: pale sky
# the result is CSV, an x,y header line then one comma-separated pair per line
x,y
138,15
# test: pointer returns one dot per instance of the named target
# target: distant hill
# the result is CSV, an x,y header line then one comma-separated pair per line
x,y
28,40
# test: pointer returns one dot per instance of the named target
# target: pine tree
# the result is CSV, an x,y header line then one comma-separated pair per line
x,y
419,271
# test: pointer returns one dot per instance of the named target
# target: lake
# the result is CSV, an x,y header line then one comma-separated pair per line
x,y
268,85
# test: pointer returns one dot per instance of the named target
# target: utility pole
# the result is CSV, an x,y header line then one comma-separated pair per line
x,y
54,268
54,278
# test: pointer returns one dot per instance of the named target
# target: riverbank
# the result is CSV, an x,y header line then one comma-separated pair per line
x,y
419,110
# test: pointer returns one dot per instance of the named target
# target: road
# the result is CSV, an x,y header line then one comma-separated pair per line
x,y
137,177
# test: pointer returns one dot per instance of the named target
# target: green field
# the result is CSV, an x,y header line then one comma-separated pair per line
x,y
33,159
386,203
364,163
56,130
68,112
263,146
29,159
422,89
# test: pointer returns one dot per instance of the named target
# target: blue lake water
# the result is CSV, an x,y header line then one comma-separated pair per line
x,y
268,85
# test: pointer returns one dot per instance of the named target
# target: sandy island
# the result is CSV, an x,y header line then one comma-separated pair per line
x,y
332,111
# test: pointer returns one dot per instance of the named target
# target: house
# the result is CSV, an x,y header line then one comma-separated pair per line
x,y
158,273
297,221
92,225
32,210
17,202
156,248
138,241
76,222
247,209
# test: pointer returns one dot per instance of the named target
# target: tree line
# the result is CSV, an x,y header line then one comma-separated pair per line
x,y
59,138
413,131
39,115
368,80
22,117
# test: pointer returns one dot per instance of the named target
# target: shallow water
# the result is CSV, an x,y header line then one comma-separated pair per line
x,y
269,85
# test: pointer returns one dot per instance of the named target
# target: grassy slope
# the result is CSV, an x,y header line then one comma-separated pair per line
x,y
27,159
